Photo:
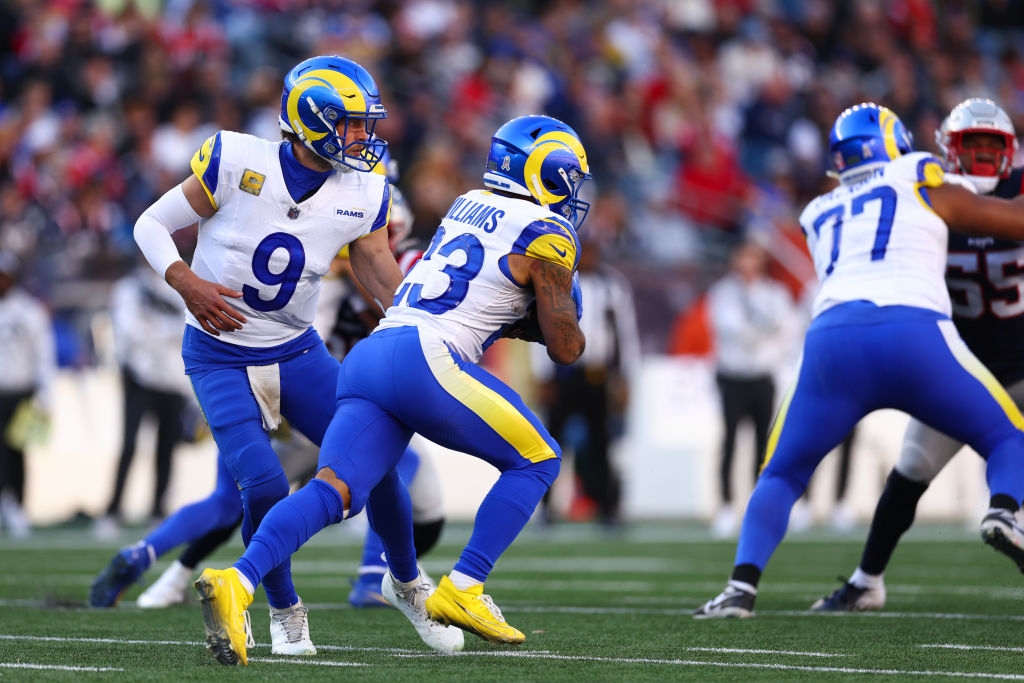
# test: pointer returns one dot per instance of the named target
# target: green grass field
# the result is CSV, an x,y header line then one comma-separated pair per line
x,y
594,607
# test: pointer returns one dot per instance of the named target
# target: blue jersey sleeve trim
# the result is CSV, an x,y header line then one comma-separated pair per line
x,y
529,242
922,169
503,267
929,174
206,165
381,221
567,226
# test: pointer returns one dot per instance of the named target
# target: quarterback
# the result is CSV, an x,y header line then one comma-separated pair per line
x,y
208,523
881,336
500,264
272,216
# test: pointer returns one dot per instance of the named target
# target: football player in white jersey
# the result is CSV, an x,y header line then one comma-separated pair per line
x,y
272,216
978,141
881,335
500,264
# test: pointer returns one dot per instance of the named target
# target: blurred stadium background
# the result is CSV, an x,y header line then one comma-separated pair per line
x,y
705,122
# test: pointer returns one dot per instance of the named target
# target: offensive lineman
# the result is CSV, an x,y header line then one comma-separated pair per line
x,y
881,335
495,251
982,273
272,216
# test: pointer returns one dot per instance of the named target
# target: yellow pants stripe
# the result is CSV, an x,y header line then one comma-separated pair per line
x,y
489,405
780,419
971,364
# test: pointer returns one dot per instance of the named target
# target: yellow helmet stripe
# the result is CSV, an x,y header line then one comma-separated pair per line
x,y
351,94
569,141
531,169
351,97
294,97
887,121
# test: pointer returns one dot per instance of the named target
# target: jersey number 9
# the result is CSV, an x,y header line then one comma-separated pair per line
x,y
287,278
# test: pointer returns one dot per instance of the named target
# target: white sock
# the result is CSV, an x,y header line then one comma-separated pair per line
x,y
743,586
246,583
463,581
862,579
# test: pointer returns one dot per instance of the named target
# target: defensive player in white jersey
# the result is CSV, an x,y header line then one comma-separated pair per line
x,y
272,216
881,335
978,141
496,251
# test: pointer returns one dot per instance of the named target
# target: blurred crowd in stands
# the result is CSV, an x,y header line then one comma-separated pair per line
x,y
706,121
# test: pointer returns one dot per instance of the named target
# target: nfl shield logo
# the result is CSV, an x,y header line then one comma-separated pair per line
x,y
293,212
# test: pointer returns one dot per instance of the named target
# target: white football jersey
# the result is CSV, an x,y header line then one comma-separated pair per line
x,y
268,246
462,290
879,240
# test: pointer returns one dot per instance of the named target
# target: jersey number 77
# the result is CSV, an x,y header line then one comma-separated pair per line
x,y
884,194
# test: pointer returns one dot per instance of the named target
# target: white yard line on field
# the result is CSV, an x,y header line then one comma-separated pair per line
x,y
73,639
55,667
543,655
738,665
748,651
961,646
665,611
308,662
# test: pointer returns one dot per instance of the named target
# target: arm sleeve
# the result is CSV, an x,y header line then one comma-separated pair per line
x,y
153,230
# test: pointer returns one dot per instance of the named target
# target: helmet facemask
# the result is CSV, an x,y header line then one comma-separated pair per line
x,y
983,165
332,140
982,161
573,208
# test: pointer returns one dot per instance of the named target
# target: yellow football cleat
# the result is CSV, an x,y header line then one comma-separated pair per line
x,y
471,610
225,615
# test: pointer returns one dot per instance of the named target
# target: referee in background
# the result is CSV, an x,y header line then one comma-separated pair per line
x,y
594,389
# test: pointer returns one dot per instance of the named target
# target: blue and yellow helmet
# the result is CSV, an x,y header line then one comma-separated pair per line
x,y
864,137
542,158
321,96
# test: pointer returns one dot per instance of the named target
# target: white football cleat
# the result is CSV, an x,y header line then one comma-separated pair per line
x,y
289,631
999,529
735,601
412,603
172,588
426,578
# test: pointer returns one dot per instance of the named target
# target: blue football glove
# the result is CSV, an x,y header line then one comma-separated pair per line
x,y
577,295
